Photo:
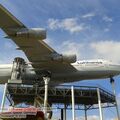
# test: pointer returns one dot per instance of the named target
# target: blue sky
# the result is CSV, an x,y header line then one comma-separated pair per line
x,y
89,28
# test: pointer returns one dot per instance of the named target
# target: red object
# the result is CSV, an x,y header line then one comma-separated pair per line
x,y
24,113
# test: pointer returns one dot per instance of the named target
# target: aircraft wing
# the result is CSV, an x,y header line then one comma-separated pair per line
x,y
37,51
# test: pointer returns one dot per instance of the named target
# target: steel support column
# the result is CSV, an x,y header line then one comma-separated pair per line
x,y
4,97
73,103
46,80
99,102
85,113
112,81
64,113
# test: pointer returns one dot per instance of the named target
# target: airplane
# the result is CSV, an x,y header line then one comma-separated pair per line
x,y
44,61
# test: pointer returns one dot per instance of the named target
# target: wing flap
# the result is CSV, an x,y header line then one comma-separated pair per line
x,y
35,50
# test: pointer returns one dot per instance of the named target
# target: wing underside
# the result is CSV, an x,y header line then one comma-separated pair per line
x,y
37,51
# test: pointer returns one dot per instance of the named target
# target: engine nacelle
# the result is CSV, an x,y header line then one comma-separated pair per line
x,y
65,58
33,33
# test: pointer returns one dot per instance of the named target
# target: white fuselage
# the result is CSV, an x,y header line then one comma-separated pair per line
x,y
85,69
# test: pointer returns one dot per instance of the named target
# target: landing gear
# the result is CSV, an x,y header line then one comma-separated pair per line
x,y
112,81
18,71
18,75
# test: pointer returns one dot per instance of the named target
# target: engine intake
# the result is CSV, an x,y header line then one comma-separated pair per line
x,y
65,58
33,33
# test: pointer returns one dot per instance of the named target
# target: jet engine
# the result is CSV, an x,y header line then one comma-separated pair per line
x,y
65,58
33,33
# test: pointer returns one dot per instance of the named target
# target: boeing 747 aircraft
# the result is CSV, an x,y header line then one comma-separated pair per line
x,y
44,61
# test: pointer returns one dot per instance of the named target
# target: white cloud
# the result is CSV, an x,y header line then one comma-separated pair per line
x,y
94,117
53,24
107,19
70,47
68,24
67,47
91,117
107,49
111,119
89,15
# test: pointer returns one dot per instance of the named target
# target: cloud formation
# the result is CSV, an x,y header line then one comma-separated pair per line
x,y
70,47
88,15
91,117
68,24
107,19
108,49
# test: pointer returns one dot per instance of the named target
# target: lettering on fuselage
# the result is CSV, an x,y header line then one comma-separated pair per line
x,y
79,62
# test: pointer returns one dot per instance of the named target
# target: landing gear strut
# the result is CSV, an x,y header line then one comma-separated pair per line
x,y
17,71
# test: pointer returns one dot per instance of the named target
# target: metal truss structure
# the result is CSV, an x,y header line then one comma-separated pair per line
x,y
85,96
